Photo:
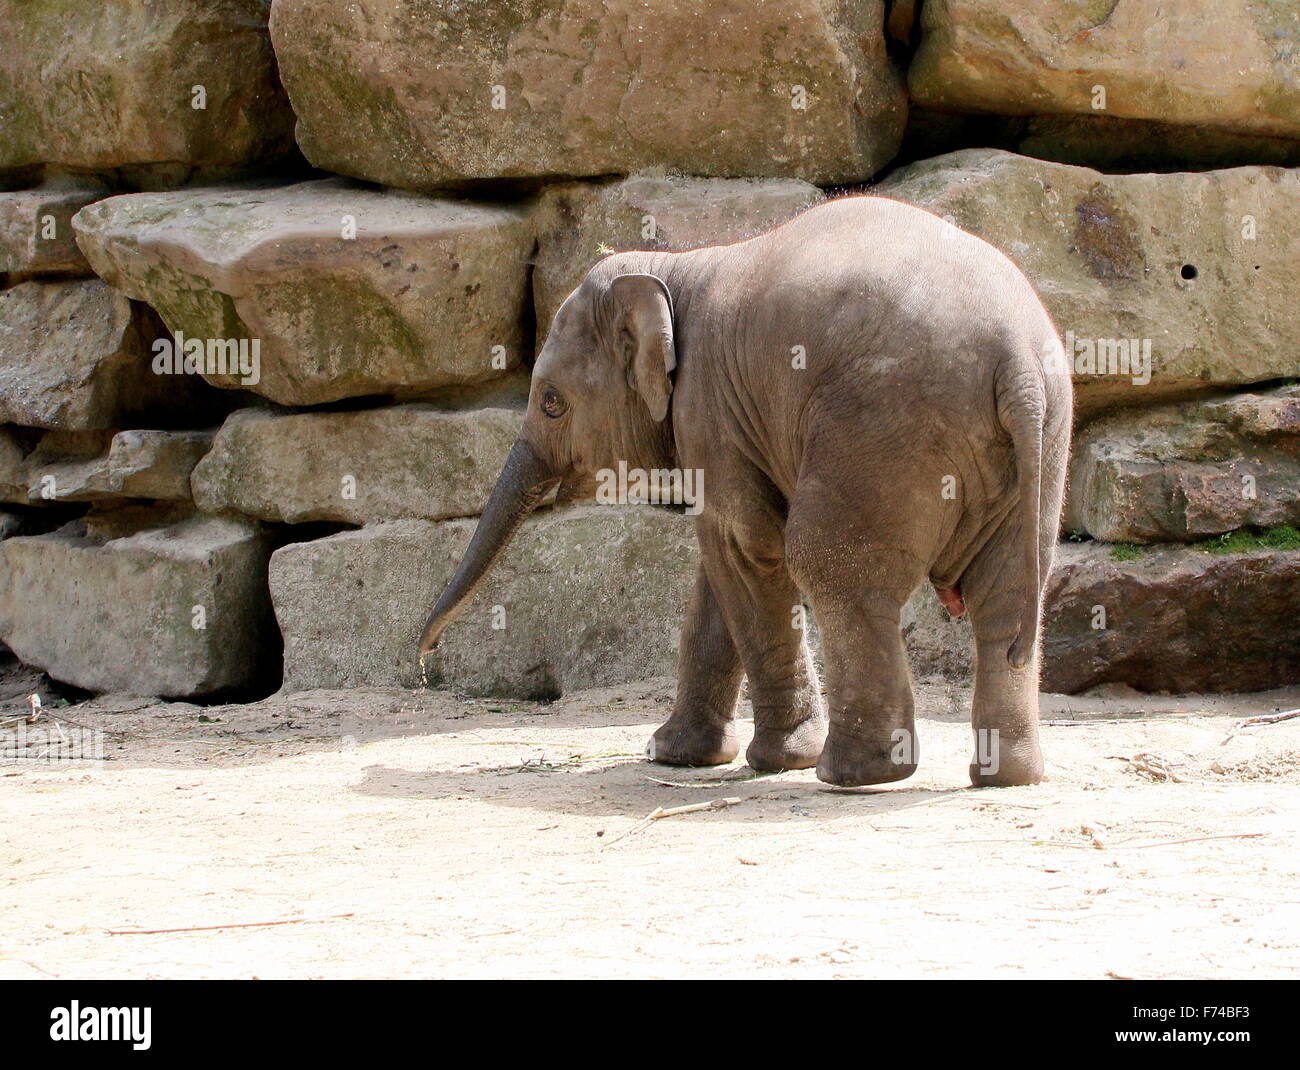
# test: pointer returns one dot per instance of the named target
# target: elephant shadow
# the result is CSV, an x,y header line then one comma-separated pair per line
x,y
632,788
595,769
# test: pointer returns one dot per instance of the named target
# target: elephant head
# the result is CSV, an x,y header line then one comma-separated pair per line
x,y
600,393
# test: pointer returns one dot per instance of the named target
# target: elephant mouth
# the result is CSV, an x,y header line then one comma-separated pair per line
x,y
576,487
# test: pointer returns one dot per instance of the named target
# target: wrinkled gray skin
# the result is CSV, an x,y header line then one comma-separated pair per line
x,y
925,371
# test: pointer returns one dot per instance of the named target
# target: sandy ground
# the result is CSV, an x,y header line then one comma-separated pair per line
x,y
421,834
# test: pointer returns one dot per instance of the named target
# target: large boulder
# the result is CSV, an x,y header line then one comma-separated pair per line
x,y
90,466
1175,619
1100,141
356,467
579,222
1176,473
421,95
75,356
595,595
179,610
1227,64
36,236
583,597
1124,275
339,291
150,94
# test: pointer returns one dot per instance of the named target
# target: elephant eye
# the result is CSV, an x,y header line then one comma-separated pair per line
x,y
552,403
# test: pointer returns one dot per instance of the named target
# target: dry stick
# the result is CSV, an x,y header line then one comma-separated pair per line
x,y
1151,764
722,783
82,724
1270,718
232,925
1072,722
693,808
1123,845
1266,718
1197,839
658,813
515,743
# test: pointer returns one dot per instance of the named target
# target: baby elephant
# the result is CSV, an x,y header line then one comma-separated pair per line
x,y
874,398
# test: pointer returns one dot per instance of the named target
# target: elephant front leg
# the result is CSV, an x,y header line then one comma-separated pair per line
x,y
702,730
764,614
789,718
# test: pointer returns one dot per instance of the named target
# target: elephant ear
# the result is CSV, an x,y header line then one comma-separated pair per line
x,y
644,321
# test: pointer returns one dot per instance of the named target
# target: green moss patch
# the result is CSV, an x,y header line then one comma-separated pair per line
x,y
1245,540
1125,551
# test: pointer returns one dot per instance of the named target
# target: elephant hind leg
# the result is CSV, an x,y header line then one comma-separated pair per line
x,y
872,737
1004,707
859,602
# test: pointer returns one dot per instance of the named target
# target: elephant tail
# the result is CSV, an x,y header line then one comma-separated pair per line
x,y
1022,409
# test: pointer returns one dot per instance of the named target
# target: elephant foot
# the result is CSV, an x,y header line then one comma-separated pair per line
x,y
774,750
1010,763
852,763
682,741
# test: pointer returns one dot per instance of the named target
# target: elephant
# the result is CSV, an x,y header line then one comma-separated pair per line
x,y
878,398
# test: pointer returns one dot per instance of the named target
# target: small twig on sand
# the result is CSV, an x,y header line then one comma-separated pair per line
x,y
520,743
659,813
232,925
1123,845
1152,764
721,783
693,808
1198,839
1073,722
1270,718
1265,718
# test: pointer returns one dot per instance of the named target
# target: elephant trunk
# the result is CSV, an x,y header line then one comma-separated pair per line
x,y
524,481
